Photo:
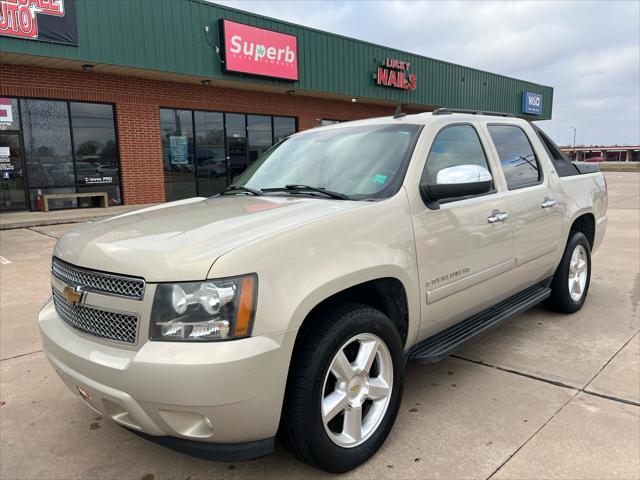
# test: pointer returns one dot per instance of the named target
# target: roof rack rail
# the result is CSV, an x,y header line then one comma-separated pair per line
x,y
449,111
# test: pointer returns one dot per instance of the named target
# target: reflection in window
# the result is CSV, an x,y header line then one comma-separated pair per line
x,y
236,142
47,143
94,139
210,154
259,129
177,150
455,145
283,127
516,156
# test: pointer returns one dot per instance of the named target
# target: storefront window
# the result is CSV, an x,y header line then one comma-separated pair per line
x,y
210,153
204,151
47,143
283,127
260,136
94,140
69,147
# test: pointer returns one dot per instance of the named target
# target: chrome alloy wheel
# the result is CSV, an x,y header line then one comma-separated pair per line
x,y
578,273
357,390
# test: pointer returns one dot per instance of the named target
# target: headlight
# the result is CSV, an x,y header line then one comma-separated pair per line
x,y
204,311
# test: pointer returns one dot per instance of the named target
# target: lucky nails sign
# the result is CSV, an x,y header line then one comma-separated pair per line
x,y
395,73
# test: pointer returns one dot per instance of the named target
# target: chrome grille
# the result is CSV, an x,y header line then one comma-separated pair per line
x,y
118,326
97,281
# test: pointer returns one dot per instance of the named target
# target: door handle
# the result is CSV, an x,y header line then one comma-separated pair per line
x,y
497,216
548,202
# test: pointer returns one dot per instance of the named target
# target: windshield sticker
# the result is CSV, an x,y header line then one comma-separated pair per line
x,y
379,179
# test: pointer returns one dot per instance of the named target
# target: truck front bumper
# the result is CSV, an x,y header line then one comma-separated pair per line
x,y
228,393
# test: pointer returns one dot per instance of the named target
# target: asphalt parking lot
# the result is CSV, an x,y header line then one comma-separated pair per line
x,y
544,396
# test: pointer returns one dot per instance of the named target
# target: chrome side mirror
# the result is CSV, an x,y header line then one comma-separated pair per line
x,y
457,181
463,174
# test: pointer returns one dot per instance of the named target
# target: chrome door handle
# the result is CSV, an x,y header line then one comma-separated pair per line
x,y
548,203
497,216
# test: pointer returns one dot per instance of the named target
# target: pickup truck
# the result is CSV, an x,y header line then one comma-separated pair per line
x,y
290,303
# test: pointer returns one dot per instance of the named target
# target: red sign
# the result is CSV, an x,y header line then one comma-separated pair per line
x,y
46,20
260,52
395,73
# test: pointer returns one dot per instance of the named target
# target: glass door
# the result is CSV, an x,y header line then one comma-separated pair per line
x,y
12,194
236,142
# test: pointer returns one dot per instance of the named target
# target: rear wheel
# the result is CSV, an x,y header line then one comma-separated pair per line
x,y
344,389
571,281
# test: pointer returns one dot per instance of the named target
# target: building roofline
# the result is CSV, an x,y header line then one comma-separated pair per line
x,y
366,42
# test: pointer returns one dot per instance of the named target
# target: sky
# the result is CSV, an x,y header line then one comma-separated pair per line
x,y
589,51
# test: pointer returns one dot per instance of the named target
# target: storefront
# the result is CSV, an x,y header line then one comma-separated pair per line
x,y
90,102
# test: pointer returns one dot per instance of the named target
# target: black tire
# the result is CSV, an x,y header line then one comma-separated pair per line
x,y
302,429
560,299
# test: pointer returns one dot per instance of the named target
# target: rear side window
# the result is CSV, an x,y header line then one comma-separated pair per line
x,y
454,145
518,161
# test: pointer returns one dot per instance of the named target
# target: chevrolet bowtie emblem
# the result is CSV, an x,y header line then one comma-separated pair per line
x,y
73,296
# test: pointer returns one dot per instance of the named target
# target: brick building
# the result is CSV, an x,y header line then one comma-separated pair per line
x,y
156,101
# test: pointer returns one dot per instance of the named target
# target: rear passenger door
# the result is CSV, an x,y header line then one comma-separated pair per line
x,y
533,210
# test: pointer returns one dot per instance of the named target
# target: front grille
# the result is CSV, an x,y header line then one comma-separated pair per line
x,y
97,281
118,326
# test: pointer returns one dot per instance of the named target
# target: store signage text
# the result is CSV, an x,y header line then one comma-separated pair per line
x,y
33,20
395,73
97,180
258,51
531,103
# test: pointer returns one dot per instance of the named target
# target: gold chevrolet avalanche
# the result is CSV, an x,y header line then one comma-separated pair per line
x,y
290,303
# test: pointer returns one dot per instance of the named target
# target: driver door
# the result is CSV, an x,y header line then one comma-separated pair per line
x,y
463,250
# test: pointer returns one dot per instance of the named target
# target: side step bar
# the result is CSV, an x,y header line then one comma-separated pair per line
x,y
440,345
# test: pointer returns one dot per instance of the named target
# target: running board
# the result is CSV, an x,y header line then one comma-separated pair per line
x,y
440,345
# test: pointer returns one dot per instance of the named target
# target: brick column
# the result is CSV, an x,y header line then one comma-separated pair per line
x,y
140,153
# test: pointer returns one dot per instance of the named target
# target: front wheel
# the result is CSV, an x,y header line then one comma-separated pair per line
x,y
571,280
344,389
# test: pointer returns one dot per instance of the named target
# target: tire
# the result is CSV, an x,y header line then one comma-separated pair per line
x,y
563,298
348,328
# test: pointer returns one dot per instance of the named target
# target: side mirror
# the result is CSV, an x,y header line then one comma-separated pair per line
x,y
458,181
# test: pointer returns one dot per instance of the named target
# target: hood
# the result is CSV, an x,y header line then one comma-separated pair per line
x,y
179,241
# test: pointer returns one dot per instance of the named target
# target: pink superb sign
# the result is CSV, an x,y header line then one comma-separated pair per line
x,y
260,52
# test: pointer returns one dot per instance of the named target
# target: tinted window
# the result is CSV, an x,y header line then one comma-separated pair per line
x,y
455,145
210,153
94,140
47,143
516,156
177,152
259,130
283,127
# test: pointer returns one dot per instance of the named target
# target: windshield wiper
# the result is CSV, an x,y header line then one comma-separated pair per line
x,y
241,188
307,188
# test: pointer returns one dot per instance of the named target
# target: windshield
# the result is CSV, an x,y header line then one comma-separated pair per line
x,y
361,161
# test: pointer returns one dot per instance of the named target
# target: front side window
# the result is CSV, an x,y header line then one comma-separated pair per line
x,y
360,162
454,145
518,161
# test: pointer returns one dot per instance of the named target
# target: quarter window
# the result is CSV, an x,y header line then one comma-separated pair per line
x,y
516,155
454,145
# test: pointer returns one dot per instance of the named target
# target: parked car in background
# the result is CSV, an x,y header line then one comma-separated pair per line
x,y
291,302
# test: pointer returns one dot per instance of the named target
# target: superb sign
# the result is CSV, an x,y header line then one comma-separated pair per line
x,y
46,20
258,51
531,103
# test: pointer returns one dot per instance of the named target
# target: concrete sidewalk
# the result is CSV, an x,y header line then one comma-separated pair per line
x,y
13,220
